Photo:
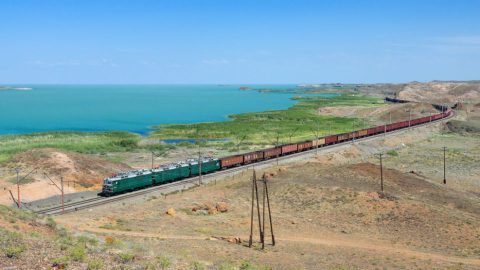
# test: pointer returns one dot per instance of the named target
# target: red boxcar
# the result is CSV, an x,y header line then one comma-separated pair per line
x,y
305,145
252,157
331,139
231,161
342,137
318,142
289,148
363,133
272,152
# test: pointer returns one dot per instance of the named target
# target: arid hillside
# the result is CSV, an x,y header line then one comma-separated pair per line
x,y
442,92
80,172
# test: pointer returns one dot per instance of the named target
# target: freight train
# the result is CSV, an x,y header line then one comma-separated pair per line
x,y
138,179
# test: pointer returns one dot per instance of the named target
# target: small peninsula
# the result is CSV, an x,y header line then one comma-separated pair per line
x,y
9,88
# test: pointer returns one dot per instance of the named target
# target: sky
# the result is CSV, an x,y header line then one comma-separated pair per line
x,y
238,41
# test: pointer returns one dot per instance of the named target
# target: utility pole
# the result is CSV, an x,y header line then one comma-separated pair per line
x,y
409,117
63,195
269,210
444,165
152,159
353,131
276,145
261,217
381,172
263,212
316,135
59,188
251,212
18,187
17,170
199,167
258,210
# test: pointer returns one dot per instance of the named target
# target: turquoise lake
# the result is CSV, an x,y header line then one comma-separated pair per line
x,y
132,108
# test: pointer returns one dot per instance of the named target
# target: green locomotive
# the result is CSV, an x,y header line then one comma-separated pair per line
x,y
139,179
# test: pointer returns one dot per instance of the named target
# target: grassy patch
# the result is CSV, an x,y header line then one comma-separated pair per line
x,y
392,153
22,180
125,257
298,122
11,243
81,142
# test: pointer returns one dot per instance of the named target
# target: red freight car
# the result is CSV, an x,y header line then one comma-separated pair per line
x,y
363,133
252,157
331,139
231,161
272,152
353,134
343,137
289,148
305,145
320,142
403,124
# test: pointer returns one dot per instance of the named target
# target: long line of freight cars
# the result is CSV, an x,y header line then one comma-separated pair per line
x,y
138,179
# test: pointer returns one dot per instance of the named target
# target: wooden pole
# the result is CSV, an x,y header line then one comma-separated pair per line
x,y
444,165
258,210
13,198
251,212
18,188
269,211
63,195
199,167
381,172
263,213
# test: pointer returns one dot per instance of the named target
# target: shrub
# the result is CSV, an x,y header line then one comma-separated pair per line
x,y
164,262
51,223
392,153
94,264
78,253
107,226
246,265
226,266
198,266
14,252
125,257
61,262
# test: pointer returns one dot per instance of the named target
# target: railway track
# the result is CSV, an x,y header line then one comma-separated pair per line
x,y
194,181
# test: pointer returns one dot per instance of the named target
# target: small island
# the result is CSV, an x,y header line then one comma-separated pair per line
x,y
8,88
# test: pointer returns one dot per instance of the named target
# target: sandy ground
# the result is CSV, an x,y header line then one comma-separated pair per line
x,y
328,214
442,92
80,172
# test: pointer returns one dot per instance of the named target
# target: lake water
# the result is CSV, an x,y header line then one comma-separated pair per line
x,y
132,108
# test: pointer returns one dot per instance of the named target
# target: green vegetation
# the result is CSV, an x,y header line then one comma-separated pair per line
x,y
94,264
298,122
61,262
125,257
164,262
81,142
11,243
198,266
78,253
392,153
